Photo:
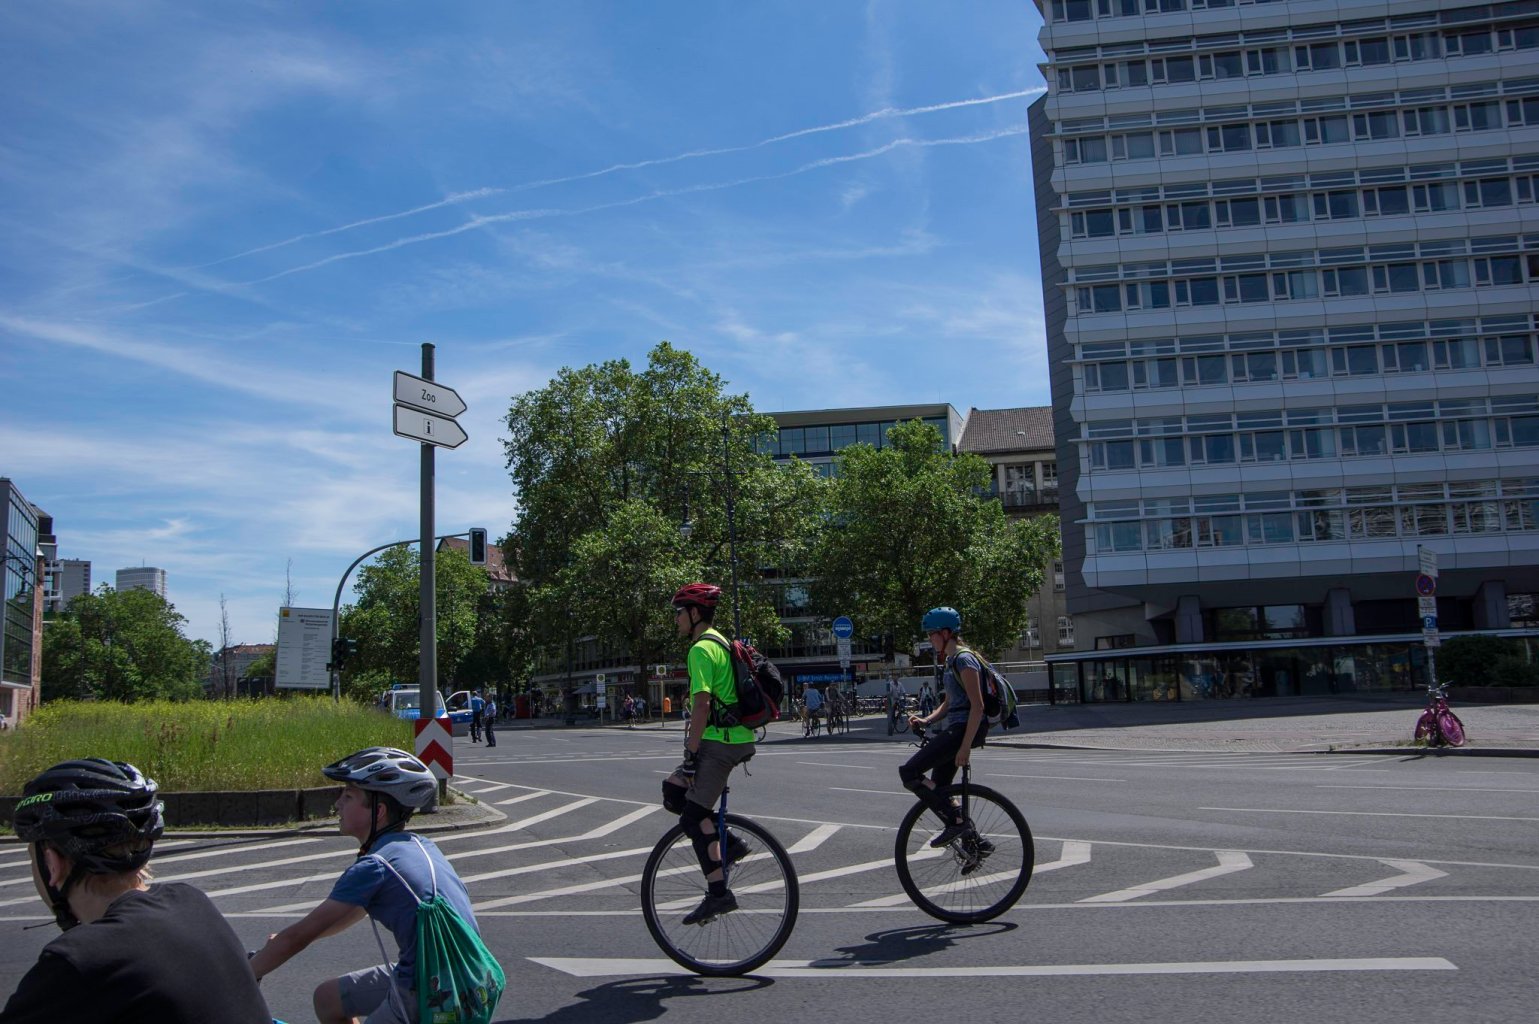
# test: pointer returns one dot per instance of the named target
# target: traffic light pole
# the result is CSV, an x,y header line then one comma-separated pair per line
x,y
336,601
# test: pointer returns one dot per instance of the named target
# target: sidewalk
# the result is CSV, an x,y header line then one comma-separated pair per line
x,y
1379,724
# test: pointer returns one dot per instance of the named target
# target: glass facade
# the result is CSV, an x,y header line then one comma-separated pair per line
x,y
20,581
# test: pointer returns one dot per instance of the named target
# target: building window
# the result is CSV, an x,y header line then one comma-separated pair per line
x,y
1065,631
1057,576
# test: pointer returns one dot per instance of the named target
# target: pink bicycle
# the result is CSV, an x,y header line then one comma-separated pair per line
x,y
1438,725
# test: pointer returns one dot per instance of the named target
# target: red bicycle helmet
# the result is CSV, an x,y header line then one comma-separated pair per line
x,y
703,595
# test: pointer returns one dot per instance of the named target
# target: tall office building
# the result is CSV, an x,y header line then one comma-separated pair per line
x,y
73,578
1289,255
144,577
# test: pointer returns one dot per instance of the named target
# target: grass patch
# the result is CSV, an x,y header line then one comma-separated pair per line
x,y
202,746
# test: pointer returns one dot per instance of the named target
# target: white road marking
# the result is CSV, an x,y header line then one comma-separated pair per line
x,y
814,839
555,812
825,764
527,796
1423,789
882,792
595,967
1229,861
553,865
1370,814
1412,872
1059,778
1074,854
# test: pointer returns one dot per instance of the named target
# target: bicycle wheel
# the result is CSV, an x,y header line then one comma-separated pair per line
x,y
965,883
901,724
1452,729
1424,726
762,732
767,898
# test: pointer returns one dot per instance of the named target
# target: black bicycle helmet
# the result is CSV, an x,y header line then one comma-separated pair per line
x,y
86,808
103,815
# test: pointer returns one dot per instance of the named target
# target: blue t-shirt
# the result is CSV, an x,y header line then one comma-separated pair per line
x,y
814,699
477,704
959,706
372,886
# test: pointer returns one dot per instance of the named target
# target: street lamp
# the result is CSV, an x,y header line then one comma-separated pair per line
x,y
686,528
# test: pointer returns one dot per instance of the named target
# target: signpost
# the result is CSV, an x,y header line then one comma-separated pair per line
x,y
304,649
1426,605
435,746
425,411
843,629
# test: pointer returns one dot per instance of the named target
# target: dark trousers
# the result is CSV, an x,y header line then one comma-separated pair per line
x,y
475,727
938,757
491,737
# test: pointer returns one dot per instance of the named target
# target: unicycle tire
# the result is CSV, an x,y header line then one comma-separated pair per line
x,y
736,943
959,883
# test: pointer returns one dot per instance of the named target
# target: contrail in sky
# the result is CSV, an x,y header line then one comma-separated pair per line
x,y
456,198
517,215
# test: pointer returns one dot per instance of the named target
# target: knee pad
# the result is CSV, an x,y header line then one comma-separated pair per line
x,y
692,817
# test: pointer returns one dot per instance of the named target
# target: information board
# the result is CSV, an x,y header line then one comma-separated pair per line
x,y
304,648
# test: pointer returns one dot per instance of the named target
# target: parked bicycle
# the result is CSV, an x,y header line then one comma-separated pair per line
x,y
763,881
980,874
1438,725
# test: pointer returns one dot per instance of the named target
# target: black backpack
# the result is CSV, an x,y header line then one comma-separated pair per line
x,y
759,687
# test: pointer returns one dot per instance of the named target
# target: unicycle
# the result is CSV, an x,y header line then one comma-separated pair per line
x,y
764,883
980,874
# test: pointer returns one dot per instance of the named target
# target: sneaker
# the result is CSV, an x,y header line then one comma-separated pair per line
x,y
949,835
711,908
737,849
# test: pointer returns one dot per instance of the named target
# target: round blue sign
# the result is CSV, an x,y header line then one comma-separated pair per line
x,y
843,627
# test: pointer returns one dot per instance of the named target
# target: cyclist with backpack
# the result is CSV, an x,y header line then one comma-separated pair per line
x,y
714,745
961,709
131,951
396,877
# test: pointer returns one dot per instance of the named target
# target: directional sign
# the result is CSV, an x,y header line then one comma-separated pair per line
x,y
435,745
843,627
427,428
427,395
1426,560
1426,585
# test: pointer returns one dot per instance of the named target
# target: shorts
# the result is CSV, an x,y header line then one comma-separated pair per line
x,y
366,994
713,765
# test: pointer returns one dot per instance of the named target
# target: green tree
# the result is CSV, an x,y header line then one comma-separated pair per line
x,y
384,620
121,645
910,530
503,651
609,463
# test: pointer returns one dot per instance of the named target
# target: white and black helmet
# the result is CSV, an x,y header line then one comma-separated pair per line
x,y
389,772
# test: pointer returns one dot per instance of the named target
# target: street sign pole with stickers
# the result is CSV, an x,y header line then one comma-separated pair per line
x,y
1426,606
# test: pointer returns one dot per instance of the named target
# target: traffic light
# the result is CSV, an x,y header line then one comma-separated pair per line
x,y
477,545
342,651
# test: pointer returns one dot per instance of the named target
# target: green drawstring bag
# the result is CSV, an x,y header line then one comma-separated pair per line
x,y
458,979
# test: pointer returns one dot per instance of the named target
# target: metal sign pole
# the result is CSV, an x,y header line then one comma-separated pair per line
x,y
427,659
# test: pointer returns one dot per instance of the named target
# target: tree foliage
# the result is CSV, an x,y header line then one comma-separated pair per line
x,y
385,618
123,645
910,529
608,464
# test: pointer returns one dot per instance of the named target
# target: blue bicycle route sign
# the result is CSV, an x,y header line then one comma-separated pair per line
x,y
843,628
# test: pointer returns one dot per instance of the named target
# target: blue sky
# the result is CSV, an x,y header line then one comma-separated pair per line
x,y
226,224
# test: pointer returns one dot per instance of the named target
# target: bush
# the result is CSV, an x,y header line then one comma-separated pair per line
x,y
1486,661
204,745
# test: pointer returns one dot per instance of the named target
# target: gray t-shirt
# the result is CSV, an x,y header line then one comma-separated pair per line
x,y
956,695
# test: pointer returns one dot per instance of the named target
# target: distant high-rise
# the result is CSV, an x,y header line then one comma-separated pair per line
x,y
73,577
144,577
1290,251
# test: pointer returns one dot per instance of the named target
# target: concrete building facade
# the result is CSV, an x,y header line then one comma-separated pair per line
x,y
72,577
1289,256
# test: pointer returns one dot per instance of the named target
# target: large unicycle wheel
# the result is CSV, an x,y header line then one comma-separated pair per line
x,y
979,875
767,899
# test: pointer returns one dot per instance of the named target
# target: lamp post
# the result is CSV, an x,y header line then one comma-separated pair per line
x,y
685,528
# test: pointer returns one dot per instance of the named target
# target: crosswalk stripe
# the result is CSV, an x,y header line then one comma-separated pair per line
x,y
1229,861
594,967
1411,873
814,839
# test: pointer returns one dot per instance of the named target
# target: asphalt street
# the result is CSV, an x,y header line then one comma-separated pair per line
x,y
1193,886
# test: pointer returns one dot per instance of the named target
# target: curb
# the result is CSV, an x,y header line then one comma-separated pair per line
x,y
1385,751
458,817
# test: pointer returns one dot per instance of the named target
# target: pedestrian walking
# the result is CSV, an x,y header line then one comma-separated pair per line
x,y
491,721
477,710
